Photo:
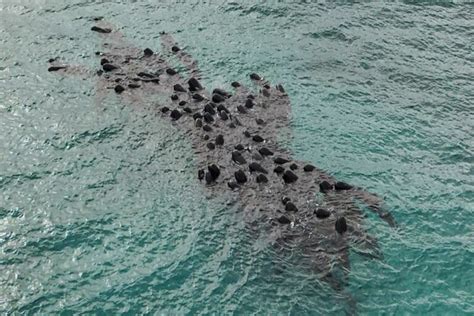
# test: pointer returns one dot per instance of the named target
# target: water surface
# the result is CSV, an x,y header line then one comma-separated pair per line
x,y
100,211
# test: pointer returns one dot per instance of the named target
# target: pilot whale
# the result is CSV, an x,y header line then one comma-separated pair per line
x,y
235,138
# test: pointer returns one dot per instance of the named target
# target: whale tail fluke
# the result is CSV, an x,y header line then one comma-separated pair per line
x,y
375,204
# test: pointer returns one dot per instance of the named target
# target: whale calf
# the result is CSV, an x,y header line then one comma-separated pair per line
x,y
234,136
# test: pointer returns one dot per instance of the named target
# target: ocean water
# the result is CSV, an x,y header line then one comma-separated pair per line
x,y
100,209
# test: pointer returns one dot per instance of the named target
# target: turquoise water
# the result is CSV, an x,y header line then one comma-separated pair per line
x,y
100,211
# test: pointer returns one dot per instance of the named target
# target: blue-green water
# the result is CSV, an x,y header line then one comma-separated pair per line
x,y
100,211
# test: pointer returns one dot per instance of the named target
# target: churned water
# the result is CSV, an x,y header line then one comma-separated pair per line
x,y
100,209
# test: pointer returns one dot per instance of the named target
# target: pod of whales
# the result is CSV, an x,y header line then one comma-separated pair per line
x,y
229,133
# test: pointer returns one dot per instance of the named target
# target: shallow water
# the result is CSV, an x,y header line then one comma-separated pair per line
x,y
100,211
